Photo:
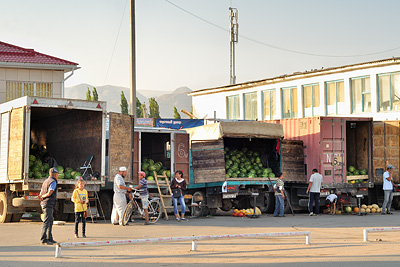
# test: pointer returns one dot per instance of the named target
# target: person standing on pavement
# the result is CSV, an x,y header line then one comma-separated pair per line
x,y
80,200
279,196
119,200
144,195
388,189
314,190
48,198
179,184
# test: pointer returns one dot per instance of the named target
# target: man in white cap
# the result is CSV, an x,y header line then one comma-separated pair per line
x,y
388,189
119,201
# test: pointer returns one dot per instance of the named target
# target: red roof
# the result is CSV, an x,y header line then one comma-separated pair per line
x,y
16,54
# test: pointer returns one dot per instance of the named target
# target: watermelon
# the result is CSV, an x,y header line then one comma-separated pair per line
x,y
168,173
61,176
145,166
38,162
351,169
46,167
271,175
60,169
151,162
363,172
37,175
67,175
150,178
356,172
32,158
30,174
158,166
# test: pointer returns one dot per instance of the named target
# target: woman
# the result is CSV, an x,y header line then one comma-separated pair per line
x,y
179,186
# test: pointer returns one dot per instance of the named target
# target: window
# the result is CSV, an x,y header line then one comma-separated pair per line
x,y
360,95
289,102
389,92
250,106
311,100
232,107
269,104
19,89
335,98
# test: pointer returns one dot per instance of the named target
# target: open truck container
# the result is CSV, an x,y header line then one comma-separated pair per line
x,y
209,184
166,146
70,130
332,145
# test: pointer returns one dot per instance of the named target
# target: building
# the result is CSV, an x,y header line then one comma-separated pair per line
x,y
27,72
370,89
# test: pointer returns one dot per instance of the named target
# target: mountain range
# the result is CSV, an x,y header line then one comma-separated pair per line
x,y
112,95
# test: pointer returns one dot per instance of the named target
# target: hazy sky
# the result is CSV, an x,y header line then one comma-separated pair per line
x,y
177,49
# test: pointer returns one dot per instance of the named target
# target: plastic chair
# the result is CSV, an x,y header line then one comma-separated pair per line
x,y
87,165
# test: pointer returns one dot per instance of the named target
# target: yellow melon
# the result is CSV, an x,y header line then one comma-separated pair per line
x,y
362,210
368,210
364,206
373,210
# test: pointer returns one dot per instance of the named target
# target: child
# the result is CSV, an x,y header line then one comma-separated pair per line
x,y
331,203
80,198
144,195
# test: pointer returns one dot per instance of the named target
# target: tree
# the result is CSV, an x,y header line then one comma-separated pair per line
x,y
176,113
124,104
95,95
154,109
139,110
88,94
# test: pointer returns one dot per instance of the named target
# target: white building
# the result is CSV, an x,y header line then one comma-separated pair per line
x,y
370,89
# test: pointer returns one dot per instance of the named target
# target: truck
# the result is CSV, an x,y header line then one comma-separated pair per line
x,y
69,130
348,151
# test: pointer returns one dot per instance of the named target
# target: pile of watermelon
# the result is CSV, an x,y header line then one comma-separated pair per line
x,y
37,169
149,167
352,171
245,163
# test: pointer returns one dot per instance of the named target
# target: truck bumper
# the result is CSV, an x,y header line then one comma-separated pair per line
x,y
25,203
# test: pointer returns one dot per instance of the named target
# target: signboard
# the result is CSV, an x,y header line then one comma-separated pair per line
x,y
178,123
145,122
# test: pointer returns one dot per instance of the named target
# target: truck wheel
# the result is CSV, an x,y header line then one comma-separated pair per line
x,y
396,203
199,200
269,203
213,211
107,204
4,216
226,205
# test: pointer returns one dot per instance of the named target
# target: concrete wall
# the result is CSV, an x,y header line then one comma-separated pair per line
x,y
205,105
28,75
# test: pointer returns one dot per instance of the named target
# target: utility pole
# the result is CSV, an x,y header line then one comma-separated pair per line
x,y
133,58
233,15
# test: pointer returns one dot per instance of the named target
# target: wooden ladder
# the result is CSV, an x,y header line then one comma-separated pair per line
x,y
167,196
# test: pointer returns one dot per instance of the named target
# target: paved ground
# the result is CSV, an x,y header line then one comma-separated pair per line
x,y
335,240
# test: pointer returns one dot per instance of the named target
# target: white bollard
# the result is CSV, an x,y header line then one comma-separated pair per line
x,y
365,234
194,245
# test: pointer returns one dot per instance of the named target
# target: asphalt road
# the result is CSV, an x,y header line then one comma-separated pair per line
x,y
335,240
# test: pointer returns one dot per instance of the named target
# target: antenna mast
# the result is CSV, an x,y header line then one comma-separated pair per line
x,y
233,15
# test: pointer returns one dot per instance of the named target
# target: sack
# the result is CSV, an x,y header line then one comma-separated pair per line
x,y
85,214
176,192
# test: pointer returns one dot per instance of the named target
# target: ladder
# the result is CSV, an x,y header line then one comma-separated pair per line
x,y
165,197
95,214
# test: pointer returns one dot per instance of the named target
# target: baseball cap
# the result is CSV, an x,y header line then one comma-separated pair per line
x,y
122,169
143,173
54,170
390,166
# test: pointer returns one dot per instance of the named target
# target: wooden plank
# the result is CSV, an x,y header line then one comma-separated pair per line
x,y
292,155
16,142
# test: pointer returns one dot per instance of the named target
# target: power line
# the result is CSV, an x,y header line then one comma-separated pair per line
x,y
277,47
115,43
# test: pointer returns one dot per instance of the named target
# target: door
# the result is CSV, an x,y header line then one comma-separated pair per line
x,y
120,145
208,161
181,155
292,155
16,144
333,149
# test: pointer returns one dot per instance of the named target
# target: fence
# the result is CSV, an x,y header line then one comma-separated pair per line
x,y
380,229
194,240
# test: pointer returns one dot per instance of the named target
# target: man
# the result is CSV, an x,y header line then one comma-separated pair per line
x,y
144,195
331,203
48,198
388,189
50,160
279,196
119,201
314,188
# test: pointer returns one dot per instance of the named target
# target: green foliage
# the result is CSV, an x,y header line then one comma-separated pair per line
x,y
139,109
95,95
154,109
88,95
124,104
176,113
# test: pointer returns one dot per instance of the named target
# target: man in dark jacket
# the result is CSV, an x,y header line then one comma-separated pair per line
x,y
48,197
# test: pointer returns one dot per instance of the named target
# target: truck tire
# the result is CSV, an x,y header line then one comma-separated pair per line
x,y
106,203
396,203
213,211
199,210
269,203
226,205
4,216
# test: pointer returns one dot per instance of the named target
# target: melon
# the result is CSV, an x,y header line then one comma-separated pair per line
x,y
362,210
370,206
374,206
373,210
368,210
356,209
348,209
364,206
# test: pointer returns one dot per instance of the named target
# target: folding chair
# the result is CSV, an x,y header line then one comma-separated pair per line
x,y
87,165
